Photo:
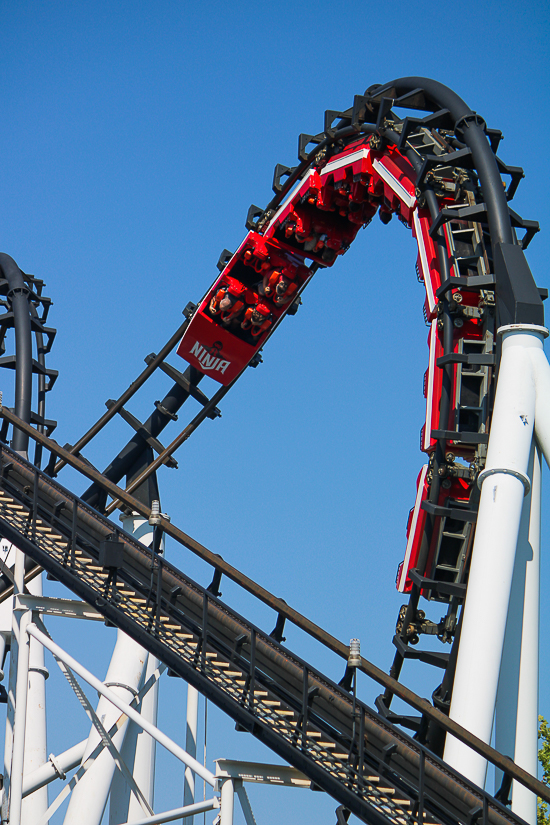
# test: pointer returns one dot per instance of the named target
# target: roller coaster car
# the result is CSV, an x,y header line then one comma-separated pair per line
x,y
255,289
322,215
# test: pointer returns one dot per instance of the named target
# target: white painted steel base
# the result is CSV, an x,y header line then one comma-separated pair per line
x,y
227,802
504,483
35,806
517,699
130,712
19,728
54,768
524,802
185,813
192,719
89,797
139,748
139,755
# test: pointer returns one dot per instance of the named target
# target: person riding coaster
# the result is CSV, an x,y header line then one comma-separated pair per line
x,y
257,319
279,285
228,300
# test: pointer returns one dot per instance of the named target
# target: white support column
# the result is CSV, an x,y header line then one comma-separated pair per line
x,y
504,484
35,806
54,768
524,802
507,695
139,748
119,703
227,802
541,369
191,744
14,619
245,803
23,619
89,797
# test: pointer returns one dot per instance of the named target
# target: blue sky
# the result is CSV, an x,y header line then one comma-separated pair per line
x,y
135,137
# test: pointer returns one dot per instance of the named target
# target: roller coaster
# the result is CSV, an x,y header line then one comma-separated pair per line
x,y
439,174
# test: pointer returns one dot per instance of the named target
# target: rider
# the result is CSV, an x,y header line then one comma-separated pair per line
x,y
257,319
228,300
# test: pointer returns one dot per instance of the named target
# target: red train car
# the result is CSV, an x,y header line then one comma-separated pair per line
x,y
254,291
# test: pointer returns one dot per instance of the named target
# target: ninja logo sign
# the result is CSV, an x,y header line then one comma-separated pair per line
x,y
209,357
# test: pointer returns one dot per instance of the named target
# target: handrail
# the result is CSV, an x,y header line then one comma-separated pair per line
x,y
504,763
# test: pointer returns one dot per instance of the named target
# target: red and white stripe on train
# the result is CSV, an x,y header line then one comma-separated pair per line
x,y
316,222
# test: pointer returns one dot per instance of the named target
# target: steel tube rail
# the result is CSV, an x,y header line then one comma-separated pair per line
x,y
126,460
18,747
130,712
126,395
177,442
178,813
18,292
54,768
473,130
381,677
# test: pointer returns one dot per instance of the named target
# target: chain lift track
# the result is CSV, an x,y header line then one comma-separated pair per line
x,y
440,176
320,727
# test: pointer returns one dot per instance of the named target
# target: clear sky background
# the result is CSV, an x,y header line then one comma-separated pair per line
x,y
135,136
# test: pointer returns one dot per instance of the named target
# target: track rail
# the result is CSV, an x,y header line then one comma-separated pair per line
x,y
288,704
440,176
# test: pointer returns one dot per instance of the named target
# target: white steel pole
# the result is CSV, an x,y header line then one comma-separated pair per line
x,y
524,802
54,768
139,748
506,711
19,586
507,695
35,806
503,482
542,412
89,797
227,802
23,618
7,614
139,752
178,813
191,743
133,714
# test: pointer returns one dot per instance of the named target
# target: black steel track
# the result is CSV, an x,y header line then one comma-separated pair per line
x,y
357,757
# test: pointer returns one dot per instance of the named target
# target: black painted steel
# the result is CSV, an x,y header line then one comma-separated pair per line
x,y
470,128
130,456
260,683
88,519
18,295
152,365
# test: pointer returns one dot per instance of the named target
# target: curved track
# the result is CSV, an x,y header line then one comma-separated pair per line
x,y
440,176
